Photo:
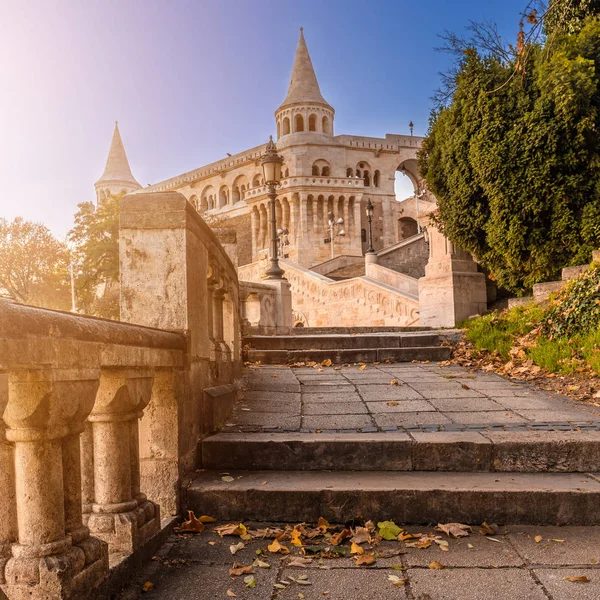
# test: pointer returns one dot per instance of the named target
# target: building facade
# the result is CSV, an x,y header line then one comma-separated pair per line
x,y
324,174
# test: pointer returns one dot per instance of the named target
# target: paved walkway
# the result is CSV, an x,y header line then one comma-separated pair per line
x,y
389,397
510,565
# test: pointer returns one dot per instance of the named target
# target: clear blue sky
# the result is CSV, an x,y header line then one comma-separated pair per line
x,y
189,81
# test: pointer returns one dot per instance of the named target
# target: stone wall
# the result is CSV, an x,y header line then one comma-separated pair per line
x,y
407,256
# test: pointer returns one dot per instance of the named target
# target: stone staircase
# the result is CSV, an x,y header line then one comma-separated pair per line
x,y
484,467
346,345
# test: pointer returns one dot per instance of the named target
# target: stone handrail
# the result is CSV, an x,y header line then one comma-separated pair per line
x,y
400,244
395,279
338,262
101,420
324,302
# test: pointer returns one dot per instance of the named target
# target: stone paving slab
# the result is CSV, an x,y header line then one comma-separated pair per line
x,y
427,397
511,566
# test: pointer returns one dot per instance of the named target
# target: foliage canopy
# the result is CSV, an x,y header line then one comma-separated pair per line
x,y
514,158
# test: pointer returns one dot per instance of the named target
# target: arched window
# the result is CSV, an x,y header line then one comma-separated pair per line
x,y
194,202
286,126
325,172
237,195
278,129
325,125
315,170
358,174
348,172
367,179
204,205
376,178
223,197
256,181
312,123
287,172
298,123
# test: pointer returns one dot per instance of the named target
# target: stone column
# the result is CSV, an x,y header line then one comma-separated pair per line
x,y
388,225
347,240
121,514
8,507
54,554
254,224
357,228
452,289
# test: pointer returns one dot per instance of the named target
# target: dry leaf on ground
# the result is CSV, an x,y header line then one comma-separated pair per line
x,y
456,530
276,547
356,549
231,529
193,525
538,539
239,569
397,581
361,536
148,586
577,579
231,593
365,560
434,564
207,519
236,547
298,561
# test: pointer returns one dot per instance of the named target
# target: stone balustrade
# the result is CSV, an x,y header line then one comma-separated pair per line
x,y
351,184
101,419
266,307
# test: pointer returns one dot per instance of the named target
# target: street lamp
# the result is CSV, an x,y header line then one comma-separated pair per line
x,y
335,230
370,209
271,163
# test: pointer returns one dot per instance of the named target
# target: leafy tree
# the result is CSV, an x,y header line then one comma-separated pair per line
x,y
514,158
95,238
33,265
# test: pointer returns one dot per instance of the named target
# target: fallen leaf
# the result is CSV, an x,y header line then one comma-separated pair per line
x,y
456,530
577,579
487,529
231,529
388,530
261,564
338,538
422,543
362,367
147,586
250,581
326,363
295,536
299,561
558,541
394,382
393,403
361,536
434,564
227,478
538,539
364,560
397,581
236,548
323,525
356,549
193,525
231,594
276,547
207,519
239,569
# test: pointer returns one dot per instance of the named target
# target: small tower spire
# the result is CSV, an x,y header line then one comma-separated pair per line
x,y
304,86
117,176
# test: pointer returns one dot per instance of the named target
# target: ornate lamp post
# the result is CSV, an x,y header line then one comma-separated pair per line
x,y
271,163
370,209
333,226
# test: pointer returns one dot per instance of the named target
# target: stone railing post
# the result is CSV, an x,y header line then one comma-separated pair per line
x,y
55,557
8,508
121,514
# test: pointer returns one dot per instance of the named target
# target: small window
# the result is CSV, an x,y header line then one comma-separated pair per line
x,y
315,170
325,172
363,235
348,172
298,123
286,126
312,123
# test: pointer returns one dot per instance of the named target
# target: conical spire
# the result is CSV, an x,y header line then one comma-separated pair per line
x,y
304,86
117,166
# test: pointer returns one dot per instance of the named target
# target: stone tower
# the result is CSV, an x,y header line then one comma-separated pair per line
x,y
117,177
304,108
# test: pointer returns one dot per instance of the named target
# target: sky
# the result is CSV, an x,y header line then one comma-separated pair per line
x,y
190,81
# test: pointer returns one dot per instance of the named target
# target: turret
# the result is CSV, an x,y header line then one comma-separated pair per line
x,y
117,177
304,108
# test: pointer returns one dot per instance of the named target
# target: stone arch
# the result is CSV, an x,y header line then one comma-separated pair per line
x,y
286,125
407,227
256,181
263,235
325,124
312,122
349,172
223,196
298,123
406,180
321,167
278,129
194,202
239,186
376,178
203,205
208,197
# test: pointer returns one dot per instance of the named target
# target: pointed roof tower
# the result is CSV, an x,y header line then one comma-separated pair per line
x,y
304,87
117,170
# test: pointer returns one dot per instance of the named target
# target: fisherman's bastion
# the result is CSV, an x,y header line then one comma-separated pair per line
x,y
335,279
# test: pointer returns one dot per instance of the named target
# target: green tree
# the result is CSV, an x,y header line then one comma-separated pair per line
x,y
514,158
33,265
95,238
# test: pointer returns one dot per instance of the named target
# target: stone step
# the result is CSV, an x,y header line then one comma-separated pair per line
x,y
357,355
341,342
405,497
352,330
526,452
